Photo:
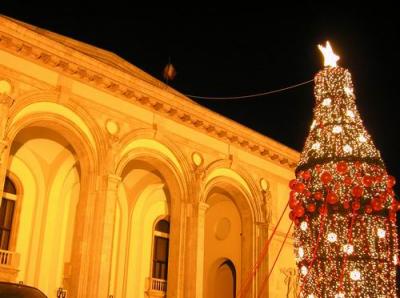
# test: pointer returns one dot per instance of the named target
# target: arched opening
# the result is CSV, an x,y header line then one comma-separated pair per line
x,y
229,233
160,251
223,240
143,235
225,280
49,172
7,214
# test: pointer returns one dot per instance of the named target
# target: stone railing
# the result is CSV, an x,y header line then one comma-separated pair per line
x,y
9,262
158,285
9,258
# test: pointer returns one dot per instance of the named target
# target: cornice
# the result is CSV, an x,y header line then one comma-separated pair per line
x,y
162,100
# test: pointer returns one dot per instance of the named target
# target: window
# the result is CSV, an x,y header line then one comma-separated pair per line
x,y
7,208
160,250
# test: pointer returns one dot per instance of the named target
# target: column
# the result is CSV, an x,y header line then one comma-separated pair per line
x,y
111,197
201,219
5,104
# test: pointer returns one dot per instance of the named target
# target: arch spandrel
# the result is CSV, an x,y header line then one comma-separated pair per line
x,y
149,146
236,182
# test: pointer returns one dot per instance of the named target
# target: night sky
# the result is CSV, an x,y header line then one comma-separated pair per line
x,y
234,51
238,51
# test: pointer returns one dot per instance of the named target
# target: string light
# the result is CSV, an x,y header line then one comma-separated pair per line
x,y
303,226
345,196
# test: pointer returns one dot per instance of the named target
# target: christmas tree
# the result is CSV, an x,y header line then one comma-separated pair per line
x,y
342,199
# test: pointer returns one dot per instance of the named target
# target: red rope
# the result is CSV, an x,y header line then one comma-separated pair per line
x,y
276,259
321,227
244,290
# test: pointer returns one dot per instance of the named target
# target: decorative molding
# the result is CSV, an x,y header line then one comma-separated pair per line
x,y
245,141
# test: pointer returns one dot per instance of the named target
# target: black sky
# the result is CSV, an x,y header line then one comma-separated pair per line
x,y
234,51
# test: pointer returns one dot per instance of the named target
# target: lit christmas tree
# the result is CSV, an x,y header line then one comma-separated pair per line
x,y
342,199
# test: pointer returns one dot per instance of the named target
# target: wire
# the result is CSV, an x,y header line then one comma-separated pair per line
x,y
251,95
273,266
243,291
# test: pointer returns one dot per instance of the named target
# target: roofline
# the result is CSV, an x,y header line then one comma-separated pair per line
x,y
21,39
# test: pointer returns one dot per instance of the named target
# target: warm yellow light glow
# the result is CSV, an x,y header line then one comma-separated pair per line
x,y
330,57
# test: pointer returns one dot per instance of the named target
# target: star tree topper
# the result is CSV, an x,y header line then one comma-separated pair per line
x,y
330,57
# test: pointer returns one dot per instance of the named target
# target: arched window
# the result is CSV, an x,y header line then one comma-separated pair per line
x,y
7,209
160,250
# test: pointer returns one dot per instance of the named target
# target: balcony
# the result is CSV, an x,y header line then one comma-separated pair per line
x,y
9,262
156,287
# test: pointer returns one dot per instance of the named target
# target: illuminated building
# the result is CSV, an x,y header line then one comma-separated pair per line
x,y
117,185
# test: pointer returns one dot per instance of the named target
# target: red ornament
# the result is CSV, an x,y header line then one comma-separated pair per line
x,y
311,207
307,193
376,205
306,175
357,164
293,203
291,215
346,205
292,183
368,209
367,181
341,167
331,198
347,180
391,181
382,197
357,191
299,187
323,210
326,177
394,205
318,195
356,205
299,211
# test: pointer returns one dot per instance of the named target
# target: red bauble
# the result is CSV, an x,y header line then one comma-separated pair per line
x,y
307,193
392,216
391,181
318,195
323,210
346,205
382,197
326,177
331,198
347,180
306,175
368,209
291,215
357,191
292,183
356,205
293,203
376,205
311,207
299,187
341,167
299,211
367,181
357,164
394,205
